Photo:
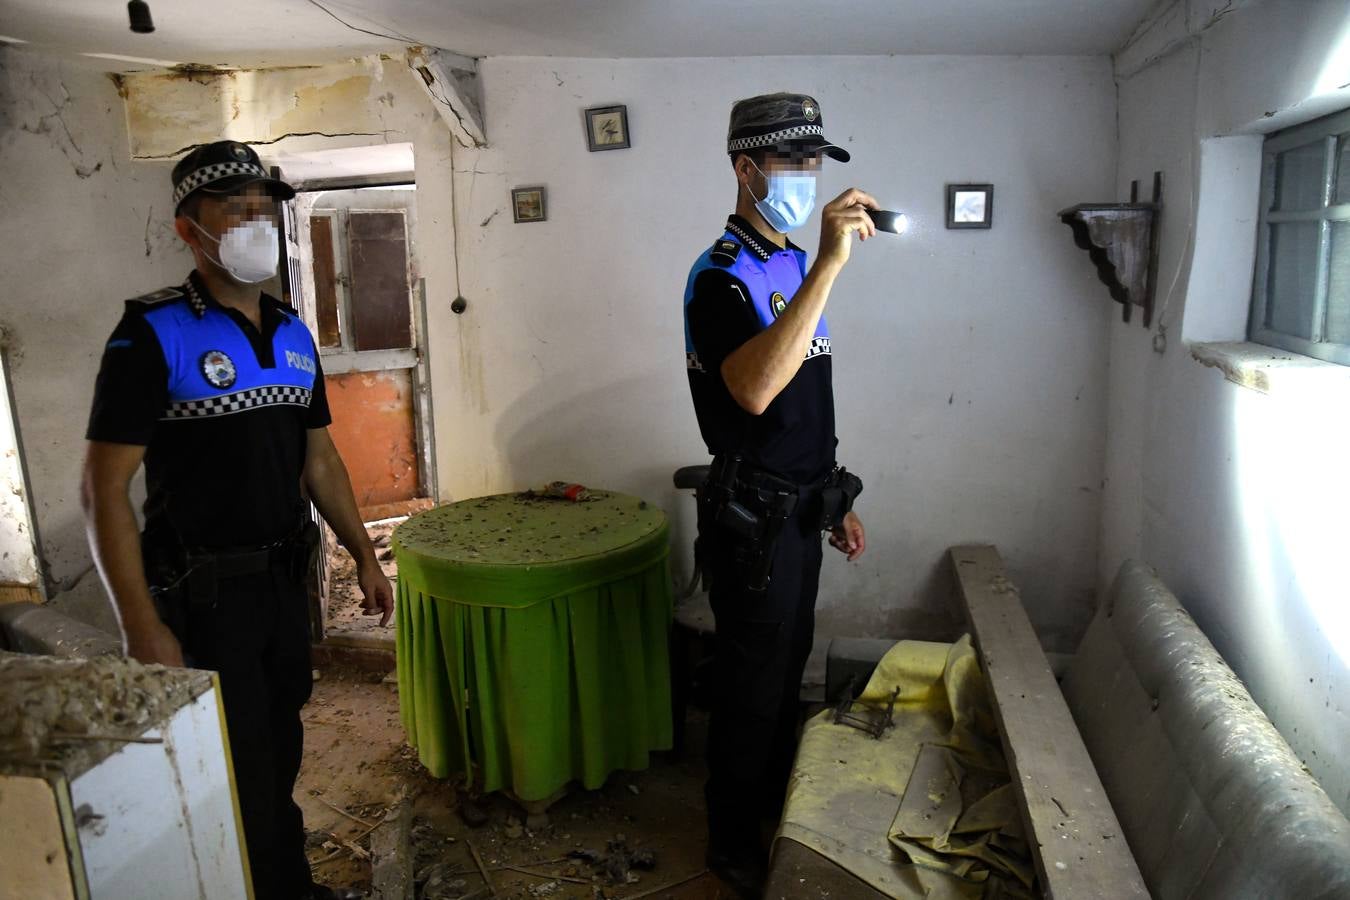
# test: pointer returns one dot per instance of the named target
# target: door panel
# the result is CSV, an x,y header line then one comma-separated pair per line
x,y
374,430
325,281
381,303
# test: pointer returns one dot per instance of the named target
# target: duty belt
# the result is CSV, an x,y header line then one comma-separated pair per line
x,y
750,507
229,563
190,576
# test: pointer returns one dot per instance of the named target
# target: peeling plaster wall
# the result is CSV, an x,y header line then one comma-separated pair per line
x,y
169,113
1237,497
969,366
82,229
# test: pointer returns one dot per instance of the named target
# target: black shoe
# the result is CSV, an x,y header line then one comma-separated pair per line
x,y
743,872
324,892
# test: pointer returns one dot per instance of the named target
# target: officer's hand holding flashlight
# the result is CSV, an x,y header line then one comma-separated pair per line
x,y
840,219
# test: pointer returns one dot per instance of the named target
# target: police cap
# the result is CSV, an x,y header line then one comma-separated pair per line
x,y
223,167
787,123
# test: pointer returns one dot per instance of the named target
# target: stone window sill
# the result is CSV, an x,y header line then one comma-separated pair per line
x,y
1271,370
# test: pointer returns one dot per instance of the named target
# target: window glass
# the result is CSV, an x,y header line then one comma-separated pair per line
x,y
1293,277
1298,177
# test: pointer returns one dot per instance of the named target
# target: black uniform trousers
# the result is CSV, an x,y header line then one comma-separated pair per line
x,y
762,644
256,635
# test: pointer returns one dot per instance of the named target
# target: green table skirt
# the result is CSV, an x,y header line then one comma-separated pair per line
x,y
528,699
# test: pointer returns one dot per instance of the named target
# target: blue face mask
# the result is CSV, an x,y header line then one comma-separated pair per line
x,y
788,200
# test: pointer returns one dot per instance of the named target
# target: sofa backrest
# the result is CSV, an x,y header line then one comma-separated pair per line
x,y
1212,800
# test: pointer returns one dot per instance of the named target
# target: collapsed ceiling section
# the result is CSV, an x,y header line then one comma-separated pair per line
x,y
375,100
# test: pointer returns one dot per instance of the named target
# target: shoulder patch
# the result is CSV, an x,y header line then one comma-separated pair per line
x,y
146,302
725,252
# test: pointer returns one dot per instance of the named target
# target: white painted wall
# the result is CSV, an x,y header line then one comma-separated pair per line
x,y
969,366
82,229
1237,497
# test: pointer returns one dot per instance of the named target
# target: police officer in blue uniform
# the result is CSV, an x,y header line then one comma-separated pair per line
x,y
217,388
758,354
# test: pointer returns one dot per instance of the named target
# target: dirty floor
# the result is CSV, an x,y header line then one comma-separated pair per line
x,y
357,765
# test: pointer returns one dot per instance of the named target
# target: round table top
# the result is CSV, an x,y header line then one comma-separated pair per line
x,y
529,530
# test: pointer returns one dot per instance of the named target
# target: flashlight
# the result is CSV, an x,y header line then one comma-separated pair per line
x,y
885,220
139,13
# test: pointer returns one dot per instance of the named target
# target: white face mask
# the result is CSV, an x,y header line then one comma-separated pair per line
x,y
788,199
248,252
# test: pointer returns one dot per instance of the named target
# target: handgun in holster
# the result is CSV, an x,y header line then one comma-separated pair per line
x,y
749,511
778,501
167,576
304,551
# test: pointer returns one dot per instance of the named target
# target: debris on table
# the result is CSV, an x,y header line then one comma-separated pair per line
x,y
559,490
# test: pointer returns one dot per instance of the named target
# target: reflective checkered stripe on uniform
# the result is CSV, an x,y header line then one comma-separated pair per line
x,y
691,362
211,173
749,240
820,346
240,401
194,299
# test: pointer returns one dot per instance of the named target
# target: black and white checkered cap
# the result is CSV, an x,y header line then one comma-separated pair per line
x,y
786,122
222,167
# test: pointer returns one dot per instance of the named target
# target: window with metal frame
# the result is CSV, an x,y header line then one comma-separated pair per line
x,y
1301,292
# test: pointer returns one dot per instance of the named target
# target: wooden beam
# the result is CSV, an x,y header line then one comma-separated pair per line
x,y
1079,850
451,81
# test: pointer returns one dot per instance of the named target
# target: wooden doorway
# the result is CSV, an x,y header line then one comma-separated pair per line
x,y
367,308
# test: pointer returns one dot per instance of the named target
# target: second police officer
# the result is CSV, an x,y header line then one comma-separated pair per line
x,y
218,389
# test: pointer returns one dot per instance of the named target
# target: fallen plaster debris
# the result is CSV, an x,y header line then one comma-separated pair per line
x,y
73,712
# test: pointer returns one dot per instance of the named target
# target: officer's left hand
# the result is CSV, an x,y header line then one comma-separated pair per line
x,y
377,597
848,537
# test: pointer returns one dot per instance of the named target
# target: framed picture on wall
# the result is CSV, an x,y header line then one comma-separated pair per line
x,y
607,128
528,204
970,206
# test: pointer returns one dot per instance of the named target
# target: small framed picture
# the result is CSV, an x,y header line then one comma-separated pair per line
x,y
607,128
970,206
528,204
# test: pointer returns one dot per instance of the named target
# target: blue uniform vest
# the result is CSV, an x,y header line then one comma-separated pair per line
x,y
794,435
213,370
772,284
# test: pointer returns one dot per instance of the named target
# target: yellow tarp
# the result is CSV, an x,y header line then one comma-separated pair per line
x,y
926,811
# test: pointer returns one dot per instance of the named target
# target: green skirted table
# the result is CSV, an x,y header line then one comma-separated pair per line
x,y
533,639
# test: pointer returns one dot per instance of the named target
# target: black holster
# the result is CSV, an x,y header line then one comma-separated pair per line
x,y
164,573
840,489
745,509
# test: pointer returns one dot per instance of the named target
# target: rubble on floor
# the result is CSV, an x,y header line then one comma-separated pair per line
x,y
642,832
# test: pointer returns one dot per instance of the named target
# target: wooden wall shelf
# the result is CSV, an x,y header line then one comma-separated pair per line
x,y
1122,241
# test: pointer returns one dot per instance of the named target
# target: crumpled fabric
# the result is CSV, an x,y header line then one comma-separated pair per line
x,y
927,810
